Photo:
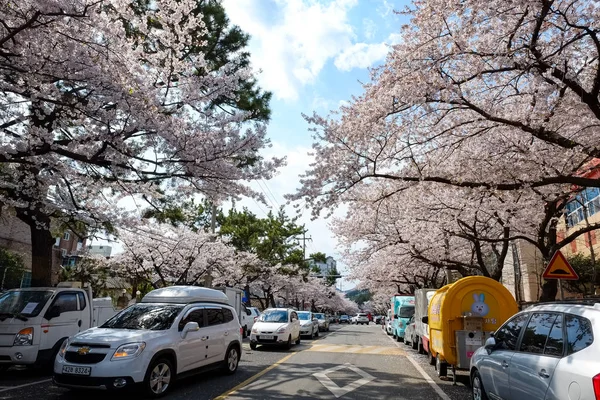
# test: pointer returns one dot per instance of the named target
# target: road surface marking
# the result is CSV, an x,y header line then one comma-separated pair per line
x,y
338,348
253,378
425,375
340,391
25,385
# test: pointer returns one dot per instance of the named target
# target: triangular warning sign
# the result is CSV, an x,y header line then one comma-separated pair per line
x,y
559,268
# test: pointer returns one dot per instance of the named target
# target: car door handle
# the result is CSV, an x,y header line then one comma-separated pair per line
x,y
504,364
544,374
79,323
226,333
204,338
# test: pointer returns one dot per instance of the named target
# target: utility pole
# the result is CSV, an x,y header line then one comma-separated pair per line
x,y
304,239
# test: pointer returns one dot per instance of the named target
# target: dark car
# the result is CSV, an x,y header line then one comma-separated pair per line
x,y
344,319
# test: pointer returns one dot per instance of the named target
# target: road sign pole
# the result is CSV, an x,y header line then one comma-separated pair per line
x,y
560,288
562,293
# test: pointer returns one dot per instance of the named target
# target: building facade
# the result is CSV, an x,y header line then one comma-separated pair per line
x,y
15,236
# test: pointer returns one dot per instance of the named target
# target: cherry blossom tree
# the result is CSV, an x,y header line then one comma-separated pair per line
x,y
91,114
487,100
164,255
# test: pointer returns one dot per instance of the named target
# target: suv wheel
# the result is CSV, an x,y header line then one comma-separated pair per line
x,y
232,360
159,378
477,387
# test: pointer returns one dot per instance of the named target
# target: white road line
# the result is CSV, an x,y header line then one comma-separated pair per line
x,y
25,385
425,375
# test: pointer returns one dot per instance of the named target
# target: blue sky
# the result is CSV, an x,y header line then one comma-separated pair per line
x,y
312,55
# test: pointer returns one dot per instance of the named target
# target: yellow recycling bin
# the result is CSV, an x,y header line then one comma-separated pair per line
x,y
462,315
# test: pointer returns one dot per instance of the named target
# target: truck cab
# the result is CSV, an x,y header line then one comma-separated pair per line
x,y
35,321
403,308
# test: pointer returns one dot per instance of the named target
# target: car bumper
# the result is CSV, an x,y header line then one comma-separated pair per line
x,y
92,383
18,355
277,339
133,371
306,331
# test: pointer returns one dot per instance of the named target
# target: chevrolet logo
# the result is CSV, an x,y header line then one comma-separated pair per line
x,y
82,351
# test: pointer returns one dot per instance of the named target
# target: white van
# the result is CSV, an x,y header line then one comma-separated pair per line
x,y
34,322
174,331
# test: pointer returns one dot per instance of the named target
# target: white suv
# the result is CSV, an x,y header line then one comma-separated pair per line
x,y
360,318
174,330
276,326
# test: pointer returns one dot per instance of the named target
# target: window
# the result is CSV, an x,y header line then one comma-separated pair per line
x,y
579,333
586,200
555,342
228,315
81,298
67,236
66,302
536,333
63,253
214,316
196,315
507,336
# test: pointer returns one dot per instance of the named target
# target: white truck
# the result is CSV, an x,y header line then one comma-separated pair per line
x,y
246,316
34,322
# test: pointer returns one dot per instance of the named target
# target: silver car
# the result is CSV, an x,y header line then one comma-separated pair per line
x,y
323,322
546,352
309,325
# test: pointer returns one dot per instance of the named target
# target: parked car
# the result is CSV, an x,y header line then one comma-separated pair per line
x,y
323,322
250,316
388,325
173,330
410,333
309,325
377,319
276,326
360,318
545,352
344,319
334,319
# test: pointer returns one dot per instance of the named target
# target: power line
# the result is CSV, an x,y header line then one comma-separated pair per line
x,y
272,195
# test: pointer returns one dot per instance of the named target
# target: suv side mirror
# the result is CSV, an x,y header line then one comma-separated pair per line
x,y
248,312
189,327
52,312
425,320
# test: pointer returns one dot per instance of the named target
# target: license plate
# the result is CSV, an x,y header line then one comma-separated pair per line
x,y
267,337
70,370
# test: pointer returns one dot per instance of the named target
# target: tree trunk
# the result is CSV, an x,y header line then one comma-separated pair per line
x,y
549,290
41,246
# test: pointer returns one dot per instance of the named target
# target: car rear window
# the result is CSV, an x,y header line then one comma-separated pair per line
x,y
579,333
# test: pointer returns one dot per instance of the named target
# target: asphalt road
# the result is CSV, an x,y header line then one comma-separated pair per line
x,y
350,362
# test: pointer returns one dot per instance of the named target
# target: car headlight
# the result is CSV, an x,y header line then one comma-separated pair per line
x,y
128,351
254,330
63,348
24,337
282,329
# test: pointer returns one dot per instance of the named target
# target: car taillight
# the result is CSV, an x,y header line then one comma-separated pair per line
x,y
596,383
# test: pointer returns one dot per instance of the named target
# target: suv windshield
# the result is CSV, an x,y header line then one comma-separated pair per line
x,y
406,311
320,316
23,303
274,316
154,317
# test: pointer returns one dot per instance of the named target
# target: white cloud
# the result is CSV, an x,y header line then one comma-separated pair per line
x,y
364,55
292,47
369,27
